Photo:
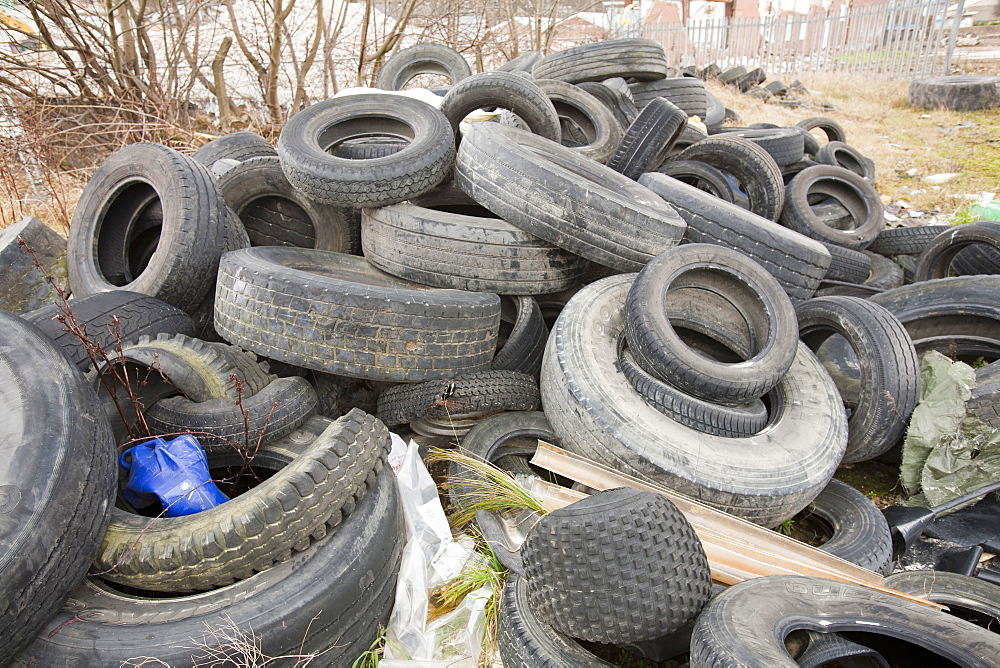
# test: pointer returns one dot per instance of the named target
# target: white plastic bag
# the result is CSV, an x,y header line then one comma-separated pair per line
x,y
430,557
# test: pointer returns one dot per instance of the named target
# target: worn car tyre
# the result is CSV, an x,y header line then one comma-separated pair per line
x,y
248,533
848,265
601,131
649,138
269,414
703,177
237,146
742,288
958,306
850,190
747,623
472,394
426,58
751,165
621,105
337,314
641,59
958,93
889,385
113,245
307,138
960,593
602,215
333,598
686,93
859,531
594,411
637,570
505,90
106,315
796,261
905,240
831,128
785,145
840,154
936,258
469,249
57,480
525,344
525,640
276,214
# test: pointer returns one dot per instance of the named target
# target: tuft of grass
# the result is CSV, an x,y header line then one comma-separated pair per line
x,y
785,528
486,487
370,657
480,572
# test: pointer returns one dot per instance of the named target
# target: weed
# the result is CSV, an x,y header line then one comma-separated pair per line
x,y
486,487
785,528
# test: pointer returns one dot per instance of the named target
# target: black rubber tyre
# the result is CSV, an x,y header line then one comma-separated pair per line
x,y
831,128
959,306
710,71
850,190
715,115
958,93
522,63
849,266
977,259
308,137
752,166
885,274
164,366
905,240
525,640
936,259
504,90
601,130
473,394
641,59
349,318
689,136
594,411
525,345
339,394
57,482
705,416
841,155
785,145
248,533
465,248
751,79
369,148
732,74
960,593
427,58
237,146
797,262
859,531
137,315
985,402
777,88
889,369
219,424
703,177
624,540
334,597
621,105
747,623
603,216
174,258
686,93
741,290
276,214
648,140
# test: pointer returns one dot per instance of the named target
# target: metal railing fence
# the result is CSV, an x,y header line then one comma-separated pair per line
x,y
899,38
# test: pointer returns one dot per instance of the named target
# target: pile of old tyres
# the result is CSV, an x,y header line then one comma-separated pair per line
x,y
720,313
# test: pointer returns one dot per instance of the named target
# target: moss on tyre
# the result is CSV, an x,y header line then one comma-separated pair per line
x,y
57,480
308,138
337,314
249,532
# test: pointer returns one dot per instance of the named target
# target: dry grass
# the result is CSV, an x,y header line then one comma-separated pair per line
x,y
880,124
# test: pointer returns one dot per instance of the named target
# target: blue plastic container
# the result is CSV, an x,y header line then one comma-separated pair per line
x,y
173,472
